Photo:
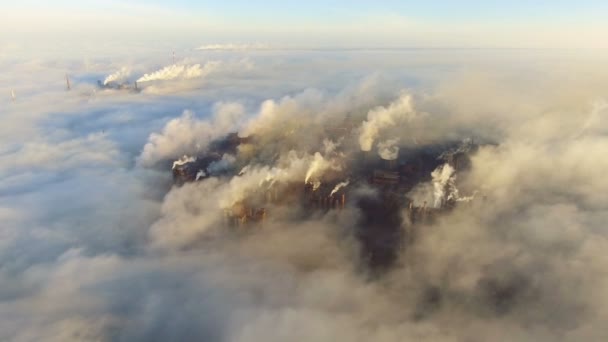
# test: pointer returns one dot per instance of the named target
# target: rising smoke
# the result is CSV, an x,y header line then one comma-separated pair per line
x,y
388,150
382,118
120,75
174,71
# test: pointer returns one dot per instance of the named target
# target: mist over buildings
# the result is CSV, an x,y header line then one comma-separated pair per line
x,y
97,243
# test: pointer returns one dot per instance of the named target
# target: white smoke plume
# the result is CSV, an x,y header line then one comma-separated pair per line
x,y
318,166
388,149
329,146
189,135
381,118
200,175
181,71
443,184
120,75
339,186
183,160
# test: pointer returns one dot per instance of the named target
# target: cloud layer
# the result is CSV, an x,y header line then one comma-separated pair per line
x,y
98,245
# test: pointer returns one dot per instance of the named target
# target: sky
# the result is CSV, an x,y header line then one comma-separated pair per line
x,y
469,23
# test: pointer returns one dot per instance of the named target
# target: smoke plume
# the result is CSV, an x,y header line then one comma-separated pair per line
x,y
119,76
381,118
180,71
188,135
338,187
443,184
388,150
318,166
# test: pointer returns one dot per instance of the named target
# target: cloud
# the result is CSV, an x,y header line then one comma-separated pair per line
x,y
188,135
97,244
382,118
233,47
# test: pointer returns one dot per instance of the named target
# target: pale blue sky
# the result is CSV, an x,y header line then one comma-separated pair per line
x,y
430,23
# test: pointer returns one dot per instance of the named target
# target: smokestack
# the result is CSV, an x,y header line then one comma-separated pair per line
x,y
423,216
136,86
342,201
13,96
67,81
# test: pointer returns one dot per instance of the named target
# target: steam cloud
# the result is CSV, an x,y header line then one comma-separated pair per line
x,y
388,150
443,184
385,117
319,165
179,71
187,135
98,245
119,76
338,187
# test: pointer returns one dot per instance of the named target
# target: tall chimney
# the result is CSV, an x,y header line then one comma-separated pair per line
x,y
67,81
136,86
13,96
423,216
343,201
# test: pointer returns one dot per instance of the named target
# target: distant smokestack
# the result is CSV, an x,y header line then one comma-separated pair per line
x,y
423,216
13,96
342,201
67,81
173,57
136,86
